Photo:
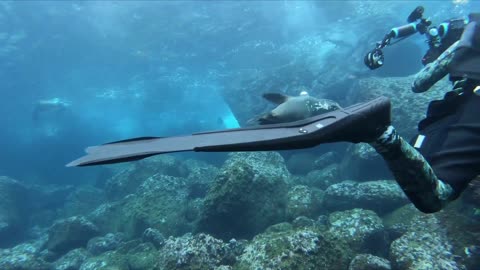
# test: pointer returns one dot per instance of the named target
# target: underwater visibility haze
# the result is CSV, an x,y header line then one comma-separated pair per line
x,y
80,73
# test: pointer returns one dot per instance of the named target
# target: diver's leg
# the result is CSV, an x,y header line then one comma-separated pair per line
x,y
412,172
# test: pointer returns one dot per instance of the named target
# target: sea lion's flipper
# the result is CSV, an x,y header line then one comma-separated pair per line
x,y
275,97
357,123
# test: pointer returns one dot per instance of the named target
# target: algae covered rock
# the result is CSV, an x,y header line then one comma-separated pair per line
x,y
132,255
101,244
22,257
398,222
71,233
106,261
127,181
361,161
424,246
247,196
304,248
303,201
380,196
13,205
83,200
360,229
72,260
153,236
195,252
322,178
369,262
408,108
159,202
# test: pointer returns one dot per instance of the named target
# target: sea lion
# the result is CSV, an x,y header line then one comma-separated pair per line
x,y
54,105
291,109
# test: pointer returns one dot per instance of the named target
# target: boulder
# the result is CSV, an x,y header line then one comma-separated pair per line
x,y
247,196
362,230
301,248
101,244
200,251
369,262
303,201
424,246
72,260
381,196
68,234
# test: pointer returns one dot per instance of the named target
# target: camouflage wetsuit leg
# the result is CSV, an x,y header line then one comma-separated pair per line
x,y
412,172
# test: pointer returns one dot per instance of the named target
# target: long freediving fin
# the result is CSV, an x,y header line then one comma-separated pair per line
x,y
353,124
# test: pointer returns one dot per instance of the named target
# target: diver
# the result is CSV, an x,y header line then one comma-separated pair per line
x,y
444,158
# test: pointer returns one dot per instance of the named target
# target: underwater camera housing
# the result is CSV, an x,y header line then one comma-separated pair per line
x,y
416,23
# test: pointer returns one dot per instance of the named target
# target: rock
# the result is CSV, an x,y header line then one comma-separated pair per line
x,y
301,221
153,236
160,202
325,160
381,196
301,163
408,108
304,248
201,251
303,201
143,257
397,222
22,257
101,244
361,161
83,200
424,246
106,261
71,233
323,178
127,181
13,210
72,260
369,262
280,227
200,178
247,196
362,230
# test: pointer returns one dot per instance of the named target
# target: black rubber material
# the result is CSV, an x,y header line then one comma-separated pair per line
x,y
356,123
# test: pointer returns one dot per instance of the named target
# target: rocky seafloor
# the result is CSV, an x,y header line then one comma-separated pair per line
x,y
322,209
250,213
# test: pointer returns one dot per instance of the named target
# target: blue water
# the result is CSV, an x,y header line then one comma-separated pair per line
x,y
147,68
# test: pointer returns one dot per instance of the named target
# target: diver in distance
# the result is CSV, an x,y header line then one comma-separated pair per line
x,y
49,106
444,158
